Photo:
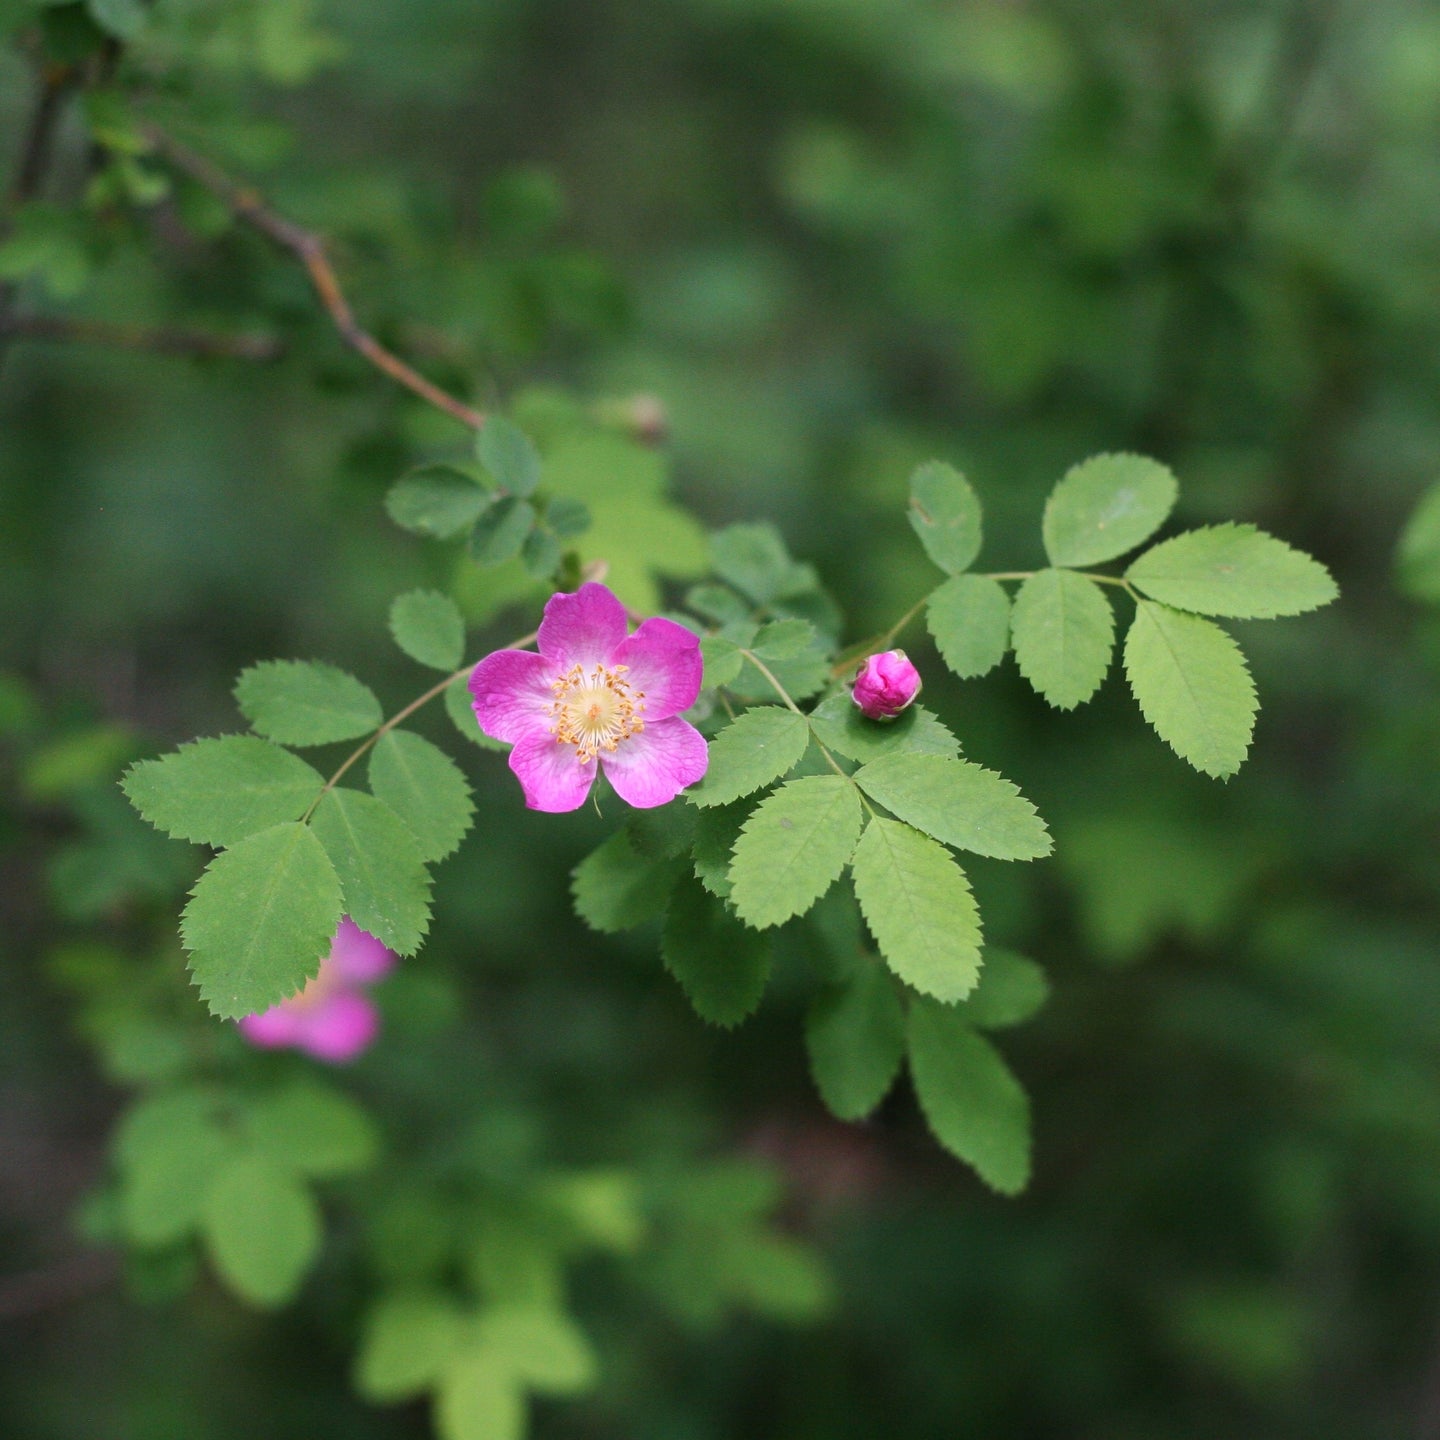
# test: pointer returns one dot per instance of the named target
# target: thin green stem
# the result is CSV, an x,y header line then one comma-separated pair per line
x,y
878,642
398,718
784,694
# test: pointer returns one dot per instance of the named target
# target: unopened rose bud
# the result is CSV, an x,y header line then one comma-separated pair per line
x,y
885,684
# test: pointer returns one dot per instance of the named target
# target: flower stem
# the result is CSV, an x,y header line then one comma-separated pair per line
x,y
784,694
398,718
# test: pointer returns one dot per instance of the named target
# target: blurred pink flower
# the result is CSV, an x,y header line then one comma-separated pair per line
x,y
332,1018
885,684
593,694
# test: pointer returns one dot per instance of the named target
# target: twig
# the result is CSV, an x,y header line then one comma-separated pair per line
x,y
165,341
309,249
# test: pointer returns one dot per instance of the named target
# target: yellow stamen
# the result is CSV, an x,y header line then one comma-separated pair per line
x,y
595,711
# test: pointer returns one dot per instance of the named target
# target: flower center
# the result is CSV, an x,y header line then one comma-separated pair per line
x,y
595,711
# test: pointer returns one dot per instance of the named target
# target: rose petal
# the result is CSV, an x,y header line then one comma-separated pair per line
x,y
271,1029
551,774
358,957
583,628
654,766
339,1027
512,693
665,664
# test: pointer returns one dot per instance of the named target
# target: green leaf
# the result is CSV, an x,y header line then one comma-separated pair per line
x,y
617,889
459,706
478,1399
312,1129
792,849
959,803
945,514
124,19
510,456
429,628
541,553
1063,631
1105,506
721,965
917,903
716,832
1418,559
750,752
1011,989
969,616
664,832
260,919
381,868
262,1230
439,501
1233,570
1191,683
783,639
974,1106
567,518
855,1036
723,660
839,725
717,603
303,702
499,534
410,1338
425,788
753,558
541,1347
216,792
170,1149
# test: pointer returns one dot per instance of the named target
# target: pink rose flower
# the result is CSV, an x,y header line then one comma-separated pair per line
x,y
885,684
593,695
332,1018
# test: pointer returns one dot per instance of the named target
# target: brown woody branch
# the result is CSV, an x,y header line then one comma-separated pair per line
x,y
309,249
163,341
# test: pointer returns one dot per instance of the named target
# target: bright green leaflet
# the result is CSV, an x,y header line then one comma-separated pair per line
x,y
507,452
425,788
723,660
784,639
429,628
721,965
541,1347
303,702
1011,989
478,1399
1191,683
1105,506
262,1229
855,1037
439,501
958,803
917,903
311,1129
1063,630
792,849
750,752
382,873
1232,570
615,888
260,918
164,1182
945,513
973,1104
969,618
409,1339
216,792
1418,560
841,727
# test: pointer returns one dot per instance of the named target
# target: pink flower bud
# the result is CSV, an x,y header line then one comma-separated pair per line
x,y
885,684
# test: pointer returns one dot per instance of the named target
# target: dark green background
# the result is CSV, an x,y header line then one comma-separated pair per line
x,y
834,237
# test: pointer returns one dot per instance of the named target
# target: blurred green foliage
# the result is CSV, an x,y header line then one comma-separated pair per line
x,y
832,237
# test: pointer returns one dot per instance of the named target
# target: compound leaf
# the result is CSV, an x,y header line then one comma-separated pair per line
x,y
855,1036
425,788
429,628
439,501
945,514
1063,631
721,965
750,752
1011,989
510,456
839,724
616,888
262,1229
409,1339
304,702
969,618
